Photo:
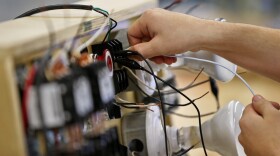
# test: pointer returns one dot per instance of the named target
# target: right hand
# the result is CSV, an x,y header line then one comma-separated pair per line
x,y
159,32
260,128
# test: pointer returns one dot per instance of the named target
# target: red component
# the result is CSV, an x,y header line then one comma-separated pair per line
x,y
109,63
102,57
106,56
28,83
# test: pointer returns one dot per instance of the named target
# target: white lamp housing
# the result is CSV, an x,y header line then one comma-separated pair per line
x,y
211,70
220,133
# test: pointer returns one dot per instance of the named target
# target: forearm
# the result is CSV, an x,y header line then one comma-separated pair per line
x,y
159,32
252,47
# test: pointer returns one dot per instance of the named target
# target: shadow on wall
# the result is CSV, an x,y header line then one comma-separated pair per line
x,y
9,9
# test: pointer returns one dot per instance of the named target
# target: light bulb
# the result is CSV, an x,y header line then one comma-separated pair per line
x,y
220,133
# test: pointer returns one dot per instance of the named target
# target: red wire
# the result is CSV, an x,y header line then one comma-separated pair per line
x,y
28,83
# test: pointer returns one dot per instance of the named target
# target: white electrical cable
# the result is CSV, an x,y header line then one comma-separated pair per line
x,y
141,81
133,105
94,37
218,64
121,100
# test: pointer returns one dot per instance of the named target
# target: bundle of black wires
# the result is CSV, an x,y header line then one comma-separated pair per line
x,y
135,66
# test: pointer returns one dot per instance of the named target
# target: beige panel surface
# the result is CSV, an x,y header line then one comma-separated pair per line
x,y
23,36
11,131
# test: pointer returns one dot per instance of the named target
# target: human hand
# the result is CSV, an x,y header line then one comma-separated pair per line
x,y
159,32
260,128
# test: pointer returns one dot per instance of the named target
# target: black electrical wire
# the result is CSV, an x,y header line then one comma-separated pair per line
x,y
186,104
68,6
161,102
126,105
215,91
173,3
155,99
192,8
110,29
191,116
198,112
137,66
187,87
55,7
184,151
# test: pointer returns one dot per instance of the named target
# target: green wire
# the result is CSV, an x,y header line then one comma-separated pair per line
x,y
110,24
102,10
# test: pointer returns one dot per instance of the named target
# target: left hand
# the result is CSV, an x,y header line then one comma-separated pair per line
x,y
260,128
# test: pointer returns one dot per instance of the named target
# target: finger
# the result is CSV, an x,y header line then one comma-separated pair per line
x,y
275,105
163,59
135,58
137,32
261,105
157,59
249,111
169,60
174,59
134,33
146,48
249,115
241,139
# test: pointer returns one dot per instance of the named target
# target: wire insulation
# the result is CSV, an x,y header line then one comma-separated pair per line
x,y
55,7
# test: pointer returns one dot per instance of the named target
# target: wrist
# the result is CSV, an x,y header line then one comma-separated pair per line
x,y
223,38
214,36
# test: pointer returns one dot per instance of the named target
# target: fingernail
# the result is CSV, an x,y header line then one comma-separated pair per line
x,y
257,98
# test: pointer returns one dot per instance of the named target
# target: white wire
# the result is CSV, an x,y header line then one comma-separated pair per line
x,y
218,64
121,100
132,105
94,37
141,81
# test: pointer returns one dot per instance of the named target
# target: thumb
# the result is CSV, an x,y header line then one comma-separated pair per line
x,y
145,48
261,105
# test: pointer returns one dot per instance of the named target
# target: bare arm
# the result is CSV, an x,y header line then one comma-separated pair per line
x,y
159,32
252,47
